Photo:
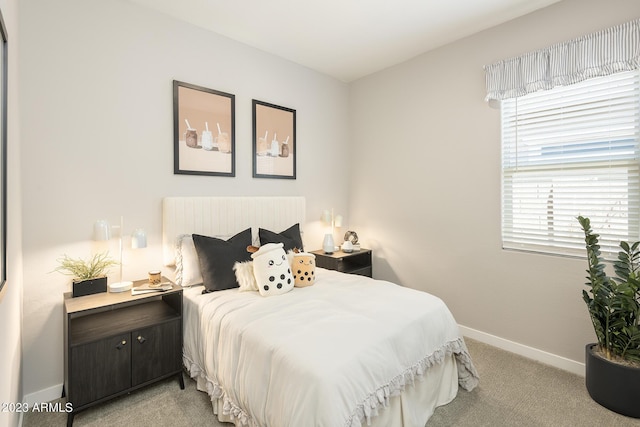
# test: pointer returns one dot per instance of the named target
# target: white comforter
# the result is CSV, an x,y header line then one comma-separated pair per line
x,y
327,355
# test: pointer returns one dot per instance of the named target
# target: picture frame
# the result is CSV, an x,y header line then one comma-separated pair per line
x,y
4,87
274,141
204,140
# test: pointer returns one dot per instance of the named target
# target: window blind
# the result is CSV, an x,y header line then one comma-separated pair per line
x,y
571,151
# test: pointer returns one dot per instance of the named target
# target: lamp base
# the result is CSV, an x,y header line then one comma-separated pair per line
x,y
120,287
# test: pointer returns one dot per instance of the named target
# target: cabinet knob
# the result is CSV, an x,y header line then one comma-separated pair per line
x,y
141,339
121,344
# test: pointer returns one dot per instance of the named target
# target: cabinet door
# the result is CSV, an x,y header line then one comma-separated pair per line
x,y
157,351
99,369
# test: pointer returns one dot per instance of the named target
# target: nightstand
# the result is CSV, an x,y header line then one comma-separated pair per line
x,y
117,342
354,263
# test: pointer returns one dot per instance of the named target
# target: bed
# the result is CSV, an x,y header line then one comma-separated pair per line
x,y
347,351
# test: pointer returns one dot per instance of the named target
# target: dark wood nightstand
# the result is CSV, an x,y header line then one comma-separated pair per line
x,y
117,342
354,263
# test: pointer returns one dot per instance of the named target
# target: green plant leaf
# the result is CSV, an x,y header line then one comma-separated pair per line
x,y
80,269
613,304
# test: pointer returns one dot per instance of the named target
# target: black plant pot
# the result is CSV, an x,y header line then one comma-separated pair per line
x,y
614,386
88,287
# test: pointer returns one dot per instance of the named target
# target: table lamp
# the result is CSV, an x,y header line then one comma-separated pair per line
x,y
102,232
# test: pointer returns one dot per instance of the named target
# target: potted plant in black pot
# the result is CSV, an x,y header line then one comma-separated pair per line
x,y
89,276
613,363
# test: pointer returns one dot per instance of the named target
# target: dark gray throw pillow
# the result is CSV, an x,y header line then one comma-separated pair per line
x,y
217,257
290,237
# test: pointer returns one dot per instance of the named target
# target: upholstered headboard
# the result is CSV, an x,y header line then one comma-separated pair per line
x,y
225,216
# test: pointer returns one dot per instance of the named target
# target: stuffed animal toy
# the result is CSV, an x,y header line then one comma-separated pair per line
x,y
272,270
304,269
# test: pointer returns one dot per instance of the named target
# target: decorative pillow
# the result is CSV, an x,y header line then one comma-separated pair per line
x,y
187,263
290,237
304,269
272,270
244,276
217,258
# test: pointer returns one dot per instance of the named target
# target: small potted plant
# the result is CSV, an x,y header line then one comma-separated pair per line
x,y
89,276
613,363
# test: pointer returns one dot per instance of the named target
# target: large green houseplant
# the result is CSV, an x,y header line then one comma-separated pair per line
x,y
613,364
89,276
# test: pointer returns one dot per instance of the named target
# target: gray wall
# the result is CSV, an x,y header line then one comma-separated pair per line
x,y
433,217
97,139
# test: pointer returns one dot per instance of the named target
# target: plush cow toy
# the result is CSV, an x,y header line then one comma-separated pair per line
x,y
272,270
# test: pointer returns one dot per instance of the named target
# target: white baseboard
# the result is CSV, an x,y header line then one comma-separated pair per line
x,y
42,396
525,351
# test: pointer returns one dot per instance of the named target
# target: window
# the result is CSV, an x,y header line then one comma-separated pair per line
x,y
569,151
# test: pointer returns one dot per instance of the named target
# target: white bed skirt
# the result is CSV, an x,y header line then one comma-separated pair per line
x,y
437,361
412,408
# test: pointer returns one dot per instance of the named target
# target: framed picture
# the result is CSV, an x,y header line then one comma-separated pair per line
x,y
274,141
4,86
204,140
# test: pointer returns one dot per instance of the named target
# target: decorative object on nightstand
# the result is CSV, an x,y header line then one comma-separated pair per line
x,y
147,288
115,343
155,277
89,276
352,237
102,231
347,247
329,219
328,245
352,263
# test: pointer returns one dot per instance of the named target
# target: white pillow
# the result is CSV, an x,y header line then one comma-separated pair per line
x,y
187,263
255,237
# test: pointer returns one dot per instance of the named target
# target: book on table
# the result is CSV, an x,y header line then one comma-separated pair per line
x,y
148,288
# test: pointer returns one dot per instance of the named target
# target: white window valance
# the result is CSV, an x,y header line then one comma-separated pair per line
x,y
598,54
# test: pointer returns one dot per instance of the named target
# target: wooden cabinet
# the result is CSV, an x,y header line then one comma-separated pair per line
x,y
117,342
98,369
358,262
155,352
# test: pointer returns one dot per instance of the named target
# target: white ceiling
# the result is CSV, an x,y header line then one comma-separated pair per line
x,y
346,39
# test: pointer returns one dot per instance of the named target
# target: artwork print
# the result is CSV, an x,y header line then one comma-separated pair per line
x,y
204,131
274,141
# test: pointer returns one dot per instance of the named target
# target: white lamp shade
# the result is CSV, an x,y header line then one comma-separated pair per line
x,y
326,217
331,219
101,230
138,239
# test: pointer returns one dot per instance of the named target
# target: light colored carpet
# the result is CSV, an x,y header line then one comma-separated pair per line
x,y
513,391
